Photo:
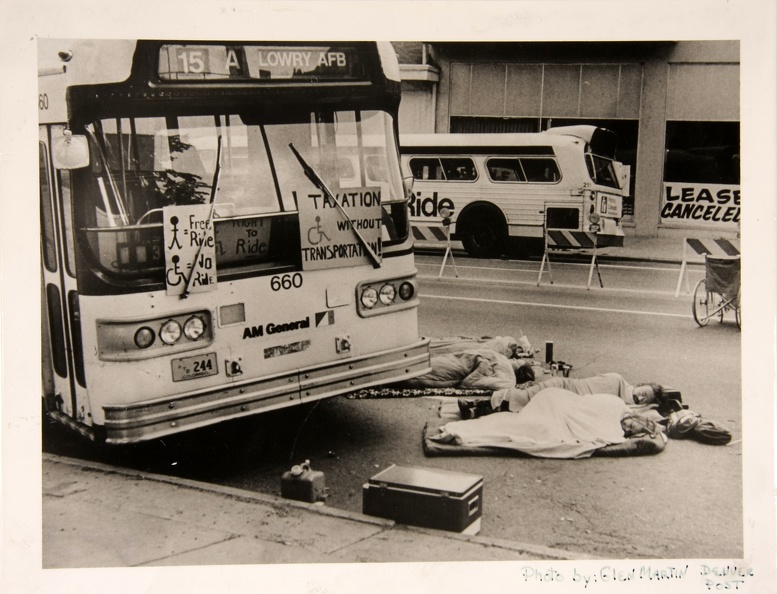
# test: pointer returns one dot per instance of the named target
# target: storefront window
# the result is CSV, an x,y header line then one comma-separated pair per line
x,y
701,174
702,152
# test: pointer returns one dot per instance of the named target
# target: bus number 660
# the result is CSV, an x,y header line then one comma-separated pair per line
x,y
286,282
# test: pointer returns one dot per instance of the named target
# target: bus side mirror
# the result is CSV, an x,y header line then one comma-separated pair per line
x,y
408,182
70,152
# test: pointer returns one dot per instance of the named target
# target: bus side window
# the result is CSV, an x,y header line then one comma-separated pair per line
x,y
459,169
426,169
540,170
46,212
505,170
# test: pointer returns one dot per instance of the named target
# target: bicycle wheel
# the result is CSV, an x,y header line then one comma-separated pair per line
x,y
701,298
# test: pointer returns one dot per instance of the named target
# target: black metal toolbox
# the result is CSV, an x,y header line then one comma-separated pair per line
x,y
426,497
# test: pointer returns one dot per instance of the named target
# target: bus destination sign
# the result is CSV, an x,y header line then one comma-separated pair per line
x,y
266,63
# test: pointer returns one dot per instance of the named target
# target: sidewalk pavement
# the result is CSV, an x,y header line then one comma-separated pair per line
x,y
95,515
668,250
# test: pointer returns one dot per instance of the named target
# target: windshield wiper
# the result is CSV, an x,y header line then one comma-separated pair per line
x,y
213,191
319,183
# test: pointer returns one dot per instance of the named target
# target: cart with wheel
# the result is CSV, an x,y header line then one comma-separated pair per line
x,y
719,291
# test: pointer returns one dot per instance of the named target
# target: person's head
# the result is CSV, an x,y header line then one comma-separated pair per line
x,y
523,371
636,424
648,393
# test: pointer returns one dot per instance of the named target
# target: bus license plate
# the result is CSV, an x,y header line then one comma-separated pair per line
x,y
194,367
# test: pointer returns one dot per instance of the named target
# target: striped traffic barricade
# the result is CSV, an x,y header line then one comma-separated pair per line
x,y
438,234
697,250
429,234
566,240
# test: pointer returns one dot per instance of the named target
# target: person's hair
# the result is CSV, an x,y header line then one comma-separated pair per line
x,y
523,373
644,425
658,390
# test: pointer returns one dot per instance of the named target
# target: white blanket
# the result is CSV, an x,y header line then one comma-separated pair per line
x,y
556,423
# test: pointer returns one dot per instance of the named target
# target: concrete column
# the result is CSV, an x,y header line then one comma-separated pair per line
x,y
442,100
650,150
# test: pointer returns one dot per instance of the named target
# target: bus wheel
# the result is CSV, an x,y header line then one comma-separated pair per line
x,y
483,235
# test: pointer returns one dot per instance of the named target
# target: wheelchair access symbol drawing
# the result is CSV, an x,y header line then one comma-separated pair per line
x,y
174,276
318,233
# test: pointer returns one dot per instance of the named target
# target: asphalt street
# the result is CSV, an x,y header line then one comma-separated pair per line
x,y
614,508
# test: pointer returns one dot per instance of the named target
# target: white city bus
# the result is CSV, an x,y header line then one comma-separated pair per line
x,y
501,186
216,239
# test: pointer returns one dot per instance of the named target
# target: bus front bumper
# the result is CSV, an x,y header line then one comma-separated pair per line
x,y
156,418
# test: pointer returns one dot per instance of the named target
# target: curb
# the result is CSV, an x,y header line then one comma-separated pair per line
x,y
231,492
542,552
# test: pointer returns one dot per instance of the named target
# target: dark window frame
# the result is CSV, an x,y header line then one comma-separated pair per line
x,y
702,152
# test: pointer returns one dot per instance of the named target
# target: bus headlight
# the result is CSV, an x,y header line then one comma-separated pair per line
x,y
379,297
194,328
594,217
406,291
369,298
170,332
387,294
134,339
144,337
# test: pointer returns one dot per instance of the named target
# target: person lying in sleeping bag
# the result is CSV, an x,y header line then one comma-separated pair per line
x,y
651,399
516,398
558,423
481,368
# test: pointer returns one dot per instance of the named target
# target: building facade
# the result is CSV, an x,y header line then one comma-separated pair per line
x,y
674,105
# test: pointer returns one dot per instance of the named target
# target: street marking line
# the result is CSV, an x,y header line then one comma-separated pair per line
x,y
578,264
556,306
555,285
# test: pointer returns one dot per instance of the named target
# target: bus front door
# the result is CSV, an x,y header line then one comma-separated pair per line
x,y
64,384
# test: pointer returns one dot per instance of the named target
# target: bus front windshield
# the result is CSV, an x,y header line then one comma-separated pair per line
x,y
602,171
139,166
